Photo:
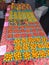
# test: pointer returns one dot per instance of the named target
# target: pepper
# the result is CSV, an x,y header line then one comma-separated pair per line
x,y
17,56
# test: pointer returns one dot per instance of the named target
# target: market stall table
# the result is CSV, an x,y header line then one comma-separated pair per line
x,y
24,37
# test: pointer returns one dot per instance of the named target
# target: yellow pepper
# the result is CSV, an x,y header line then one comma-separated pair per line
x,y
26,55
17,56
33,46
41,45
30,39
17,41
47,52
8,57
12,6
18,47
25,46
42,53
37,39
44,40
47,45
23,40
35,54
